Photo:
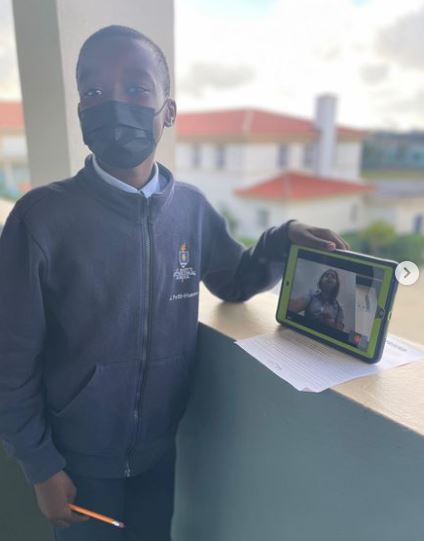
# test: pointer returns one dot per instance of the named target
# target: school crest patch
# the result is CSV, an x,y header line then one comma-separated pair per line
x,y
184,272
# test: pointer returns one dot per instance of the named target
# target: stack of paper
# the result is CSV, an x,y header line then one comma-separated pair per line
x,y
311,366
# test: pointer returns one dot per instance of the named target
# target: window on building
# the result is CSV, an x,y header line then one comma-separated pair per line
x,y
282,156
354,213
263,218
220,157
418,225
195,156
308,155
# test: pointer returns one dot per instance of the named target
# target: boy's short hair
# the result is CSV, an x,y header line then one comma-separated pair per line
x,y
127,32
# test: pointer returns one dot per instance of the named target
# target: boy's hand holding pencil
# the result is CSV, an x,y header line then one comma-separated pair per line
x,y
53,498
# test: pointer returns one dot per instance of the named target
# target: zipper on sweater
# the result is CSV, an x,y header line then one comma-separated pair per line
x,y
146,328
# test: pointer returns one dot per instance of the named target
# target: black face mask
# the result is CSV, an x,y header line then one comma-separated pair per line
x,y
118,133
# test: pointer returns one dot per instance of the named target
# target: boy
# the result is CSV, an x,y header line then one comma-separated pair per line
x,y
99,278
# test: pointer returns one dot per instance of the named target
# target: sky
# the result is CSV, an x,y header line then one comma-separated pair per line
x,y
280,54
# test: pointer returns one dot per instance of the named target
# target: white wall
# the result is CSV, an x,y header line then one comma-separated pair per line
x,y
259,161
348,160
296,157
408,209
336,213
13,146
401,213
218,187
234,159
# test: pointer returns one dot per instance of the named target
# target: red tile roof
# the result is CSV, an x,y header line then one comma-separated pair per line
x,y
226,123
298,186
250,122
11,115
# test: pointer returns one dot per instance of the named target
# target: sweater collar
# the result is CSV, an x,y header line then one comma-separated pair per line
x,y
131,205
152,185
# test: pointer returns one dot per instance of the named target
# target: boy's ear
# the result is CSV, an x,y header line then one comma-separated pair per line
x,y
171,113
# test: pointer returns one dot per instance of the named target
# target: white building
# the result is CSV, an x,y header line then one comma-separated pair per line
x,y
263,168
14,172
332,203
398,202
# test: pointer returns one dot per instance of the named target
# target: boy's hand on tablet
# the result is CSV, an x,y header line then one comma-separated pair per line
x,y
315,237
53,497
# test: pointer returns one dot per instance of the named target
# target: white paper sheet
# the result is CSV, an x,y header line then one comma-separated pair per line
x,y
311,366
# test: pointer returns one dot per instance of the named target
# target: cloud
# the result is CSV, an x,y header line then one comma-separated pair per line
x,y
413,104
402,41
295,58
210,75
373,74
9,77
330,53
402,112
277,58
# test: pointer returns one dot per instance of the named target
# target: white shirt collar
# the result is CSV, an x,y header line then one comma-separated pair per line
x,y
151,187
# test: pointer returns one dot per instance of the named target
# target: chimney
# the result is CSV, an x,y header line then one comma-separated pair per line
x,y
325,123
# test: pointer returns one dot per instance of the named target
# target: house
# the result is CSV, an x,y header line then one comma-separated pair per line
x,y
328,202
14,171
262,167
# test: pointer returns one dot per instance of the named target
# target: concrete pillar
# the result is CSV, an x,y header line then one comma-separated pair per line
x,y
49,34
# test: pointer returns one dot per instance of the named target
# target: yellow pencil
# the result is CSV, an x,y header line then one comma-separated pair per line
x,y
97,516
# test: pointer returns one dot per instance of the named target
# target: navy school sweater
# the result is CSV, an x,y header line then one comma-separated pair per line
x,y
98,318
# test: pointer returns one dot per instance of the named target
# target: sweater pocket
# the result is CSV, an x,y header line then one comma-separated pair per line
x,y
165,396
96,420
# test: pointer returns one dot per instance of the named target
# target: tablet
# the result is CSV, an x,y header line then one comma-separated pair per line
x,y
341,298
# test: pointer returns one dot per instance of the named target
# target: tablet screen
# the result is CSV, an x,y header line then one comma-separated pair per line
x,y
335,297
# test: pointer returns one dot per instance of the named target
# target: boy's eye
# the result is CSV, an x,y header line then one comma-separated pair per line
x,y
137,89
93,92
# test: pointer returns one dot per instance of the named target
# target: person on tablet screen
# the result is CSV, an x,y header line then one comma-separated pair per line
x,y
322,305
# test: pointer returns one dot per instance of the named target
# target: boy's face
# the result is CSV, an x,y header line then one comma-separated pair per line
x,y
125,70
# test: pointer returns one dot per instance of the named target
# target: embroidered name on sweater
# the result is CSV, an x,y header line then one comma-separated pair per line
x,y
181,296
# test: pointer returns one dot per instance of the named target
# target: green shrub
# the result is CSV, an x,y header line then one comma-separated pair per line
x,y
246,241
355,241
409,247
380,239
